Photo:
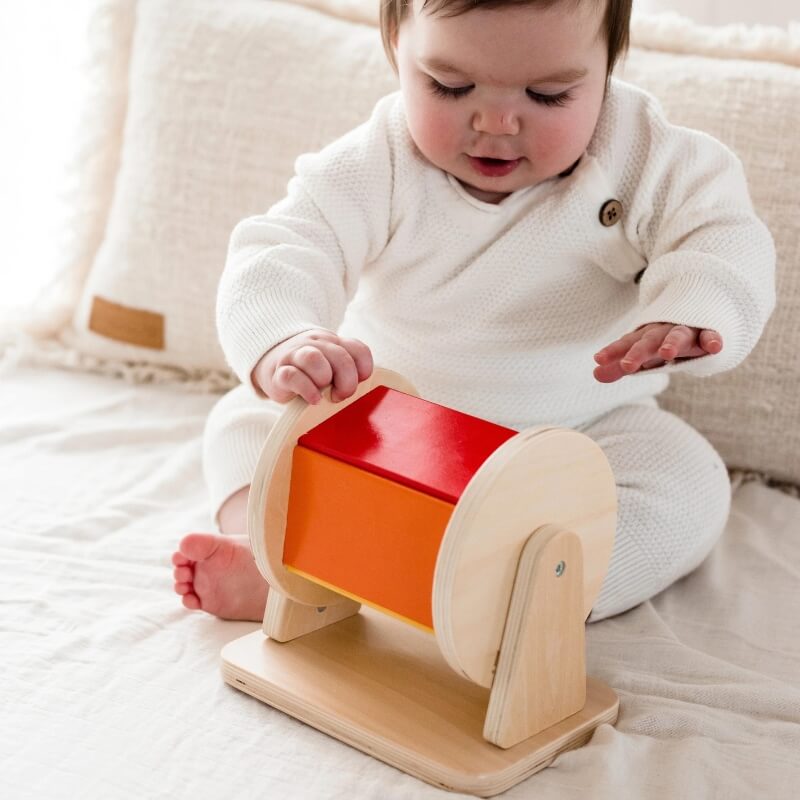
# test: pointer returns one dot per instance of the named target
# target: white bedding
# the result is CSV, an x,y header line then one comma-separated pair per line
x,y
112,690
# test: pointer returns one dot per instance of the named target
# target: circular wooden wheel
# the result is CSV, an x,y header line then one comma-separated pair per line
x,y
268,502
541,476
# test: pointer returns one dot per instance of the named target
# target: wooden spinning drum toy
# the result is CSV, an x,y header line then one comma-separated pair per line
x,y
492,544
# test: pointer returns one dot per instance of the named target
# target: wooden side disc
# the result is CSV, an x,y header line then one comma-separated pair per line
x,y
541,476
269,496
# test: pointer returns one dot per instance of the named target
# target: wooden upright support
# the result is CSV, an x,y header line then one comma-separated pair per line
x,y
285,619
541,671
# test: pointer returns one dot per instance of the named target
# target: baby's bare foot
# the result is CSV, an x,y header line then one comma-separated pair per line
x,y
218,574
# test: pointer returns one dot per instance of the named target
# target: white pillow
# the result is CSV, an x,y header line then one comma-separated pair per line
x,y
222,98
225,95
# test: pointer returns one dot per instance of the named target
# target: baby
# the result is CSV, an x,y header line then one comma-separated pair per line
x,y
525,238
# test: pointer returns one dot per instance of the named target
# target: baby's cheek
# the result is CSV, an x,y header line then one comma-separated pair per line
x,y
574,130
555,140
437,139
435,132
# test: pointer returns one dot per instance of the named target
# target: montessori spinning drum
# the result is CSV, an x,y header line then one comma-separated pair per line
x,y
431,574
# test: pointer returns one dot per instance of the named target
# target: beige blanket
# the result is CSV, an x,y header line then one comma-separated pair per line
x,y
111,690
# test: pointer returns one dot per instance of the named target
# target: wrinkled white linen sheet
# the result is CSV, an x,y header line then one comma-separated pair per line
x,y
112,690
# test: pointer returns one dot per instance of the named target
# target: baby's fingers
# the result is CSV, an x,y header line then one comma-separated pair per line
x,y
617,349
361,355
710,341
678,342
289,381
344,372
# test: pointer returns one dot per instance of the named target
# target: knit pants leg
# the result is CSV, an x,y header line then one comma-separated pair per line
x,y
673,500
234,434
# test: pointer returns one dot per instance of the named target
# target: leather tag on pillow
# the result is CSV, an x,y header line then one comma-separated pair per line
x,y
125,324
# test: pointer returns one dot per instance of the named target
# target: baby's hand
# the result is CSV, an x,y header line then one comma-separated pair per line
x,y
651,346
308,362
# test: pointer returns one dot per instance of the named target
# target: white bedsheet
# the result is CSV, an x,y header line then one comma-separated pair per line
x,y
110,689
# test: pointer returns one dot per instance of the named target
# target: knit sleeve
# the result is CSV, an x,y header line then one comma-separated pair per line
x,y
710,260
297,266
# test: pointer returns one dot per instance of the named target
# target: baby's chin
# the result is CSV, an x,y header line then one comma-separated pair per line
x,y
481,194
491,195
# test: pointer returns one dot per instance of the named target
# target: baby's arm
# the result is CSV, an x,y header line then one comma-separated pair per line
x,y
709,286
293,270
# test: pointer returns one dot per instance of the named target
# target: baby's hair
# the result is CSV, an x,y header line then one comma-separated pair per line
x,y
616,23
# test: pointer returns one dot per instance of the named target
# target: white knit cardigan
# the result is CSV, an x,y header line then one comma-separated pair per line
x,y
497,309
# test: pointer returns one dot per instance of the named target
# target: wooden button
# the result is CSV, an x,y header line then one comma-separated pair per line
x,y
611,213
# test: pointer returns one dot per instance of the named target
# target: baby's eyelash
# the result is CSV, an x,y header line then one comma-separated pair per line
x,y
545,99
550,99
448,91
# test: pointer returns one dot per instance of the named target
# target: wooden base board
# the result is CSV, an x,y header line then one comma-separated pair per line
x,y
384,688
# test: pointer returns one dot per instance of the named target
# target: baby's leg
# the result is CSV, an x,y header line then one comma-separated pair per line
x,y
217,573
673,495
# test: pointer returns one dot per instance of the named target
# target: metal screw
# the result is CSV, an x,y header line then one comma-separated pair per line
x,y
560,567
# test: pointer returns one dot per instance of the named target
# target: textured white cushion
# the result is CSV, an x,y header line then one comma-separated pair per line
x,y
225,95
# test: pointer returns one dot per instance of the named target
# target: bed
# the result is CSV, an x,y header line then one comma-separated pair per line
x,y
111,688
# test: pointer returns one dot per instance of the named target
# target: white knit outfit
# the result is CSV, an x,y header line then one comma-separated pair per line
x,y
497,309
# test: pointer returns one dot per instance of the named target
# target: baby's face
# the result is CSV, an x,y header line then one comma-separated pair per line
x,y
517,83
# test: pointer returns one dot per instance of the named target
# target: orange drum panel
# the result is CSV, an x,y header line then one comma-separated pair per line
x,y
364,535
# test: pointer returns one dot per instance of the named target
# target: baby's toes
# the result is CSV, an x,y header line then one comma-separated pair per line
x,y
182,574
186,590
198,546
190,600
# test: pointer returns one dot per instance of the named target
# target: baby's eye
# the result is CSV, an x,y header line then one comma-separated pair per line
x,y
550,99
448,91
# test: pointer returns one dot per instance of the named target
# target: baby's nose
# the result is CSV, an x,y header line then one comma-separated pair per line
x,y
498,121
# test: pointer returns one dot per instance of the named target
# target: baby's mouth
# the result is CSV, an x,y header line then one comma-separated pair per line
x,y
494,167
